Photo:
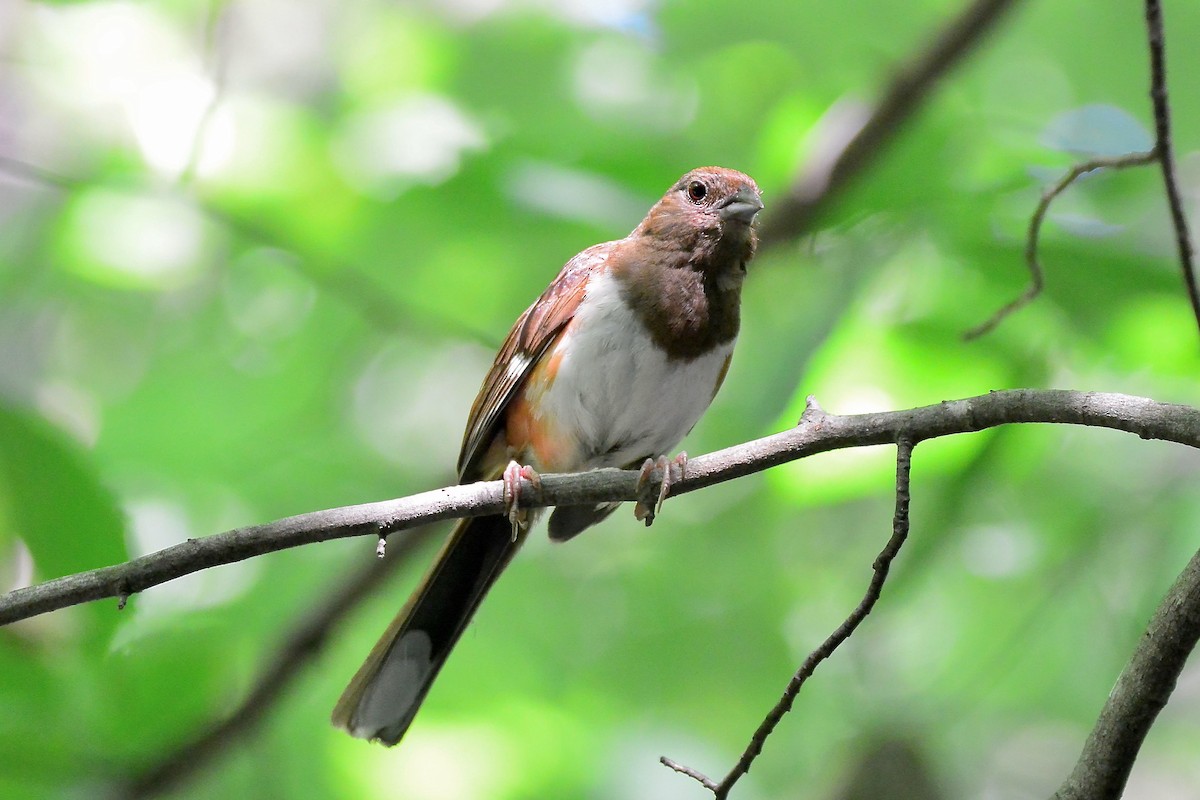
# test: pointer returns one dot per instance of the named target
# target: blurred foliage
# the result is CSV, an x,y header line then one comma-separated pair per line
x,y
263,268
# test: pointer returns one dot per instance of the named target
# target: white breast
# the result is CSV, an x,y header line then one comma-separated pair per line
x,y
617,392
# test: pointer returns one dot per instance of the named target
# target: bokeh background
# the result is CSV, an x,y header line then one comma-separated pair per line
x,y
255,257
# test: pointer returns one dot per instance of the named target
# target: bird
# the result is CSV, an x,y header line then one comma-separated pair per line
x,y
611,366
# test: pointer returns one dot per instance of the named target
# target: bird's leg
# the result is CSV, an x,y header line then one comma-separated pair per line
x,y
671,472
513,473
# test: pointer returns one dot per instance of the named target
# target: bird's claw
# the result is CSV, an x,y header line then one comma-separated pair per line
x,y
513,473
661,474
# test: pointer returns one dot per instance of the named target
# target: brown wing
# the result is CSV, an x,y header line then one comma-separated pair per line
x,y
530,337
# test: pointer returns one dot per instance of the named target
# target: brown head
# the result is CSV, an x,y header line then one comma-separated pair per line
x,y
682,267
707,218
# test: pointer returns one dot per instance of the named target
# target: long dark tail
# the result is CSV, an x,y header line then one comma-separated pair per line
x,y
385,693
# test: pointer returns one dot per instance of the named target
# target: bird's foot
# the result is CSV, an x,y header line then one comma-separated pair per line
x,y
654,484
513,473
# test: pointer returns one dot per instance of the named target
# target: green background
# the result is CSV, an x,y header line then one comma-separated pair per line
x,y
280,242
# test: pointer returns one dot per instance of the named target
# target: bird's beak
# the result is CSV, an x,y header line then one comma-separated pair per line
x,y
740,207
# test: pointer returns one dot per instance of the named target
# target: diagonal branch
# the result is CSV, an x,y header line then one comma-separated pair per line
x,y
1141,692
1146,418
860,144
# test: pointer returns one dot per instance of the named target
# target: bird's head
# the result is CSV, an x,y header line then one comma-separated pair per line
x,y
708,213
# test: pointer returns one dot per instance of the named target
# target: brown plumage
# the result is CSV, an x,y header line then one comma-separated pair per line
x,y
612,365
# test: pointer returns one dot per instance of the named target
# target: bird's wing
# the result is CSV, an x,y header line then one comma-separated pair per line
x,y
532,335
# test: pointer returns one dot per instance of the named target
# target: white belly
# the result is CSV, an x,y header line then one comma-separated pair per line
x,y
617,393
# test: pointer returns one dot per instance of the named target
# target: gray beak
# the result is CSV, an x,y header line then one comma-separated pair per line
x,y
740,207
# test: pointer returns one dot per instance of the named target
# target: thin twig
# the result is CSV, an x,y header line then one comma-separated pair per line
x,y
817,434
302,645
880,569
810,194
1162,146
696,775
1036,274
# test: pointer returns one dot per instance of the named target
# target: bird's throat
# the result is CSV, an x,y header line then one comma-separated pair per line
x,y
687,312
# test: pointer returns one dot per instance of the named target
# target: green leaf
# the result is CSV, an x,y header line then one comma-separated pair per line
x,y
1097,130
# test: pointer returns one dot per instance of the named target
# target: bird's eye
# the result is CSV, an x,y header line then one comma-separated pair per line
x,y
696,191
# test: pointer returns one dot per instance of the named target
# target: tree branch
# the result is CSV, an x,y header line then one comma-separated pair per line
x,y
1162,147
1147,418
860,143
1141,692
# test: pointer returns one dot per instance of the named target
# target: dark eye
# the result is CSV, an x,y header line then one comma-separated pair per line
x,y
697,191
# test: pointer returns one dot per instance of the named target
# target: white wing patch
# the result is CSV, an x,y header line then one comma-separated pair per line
x,y
517,366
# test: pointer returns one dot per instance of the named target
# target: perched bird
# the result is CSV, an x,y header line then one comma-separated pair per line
x,y
610,367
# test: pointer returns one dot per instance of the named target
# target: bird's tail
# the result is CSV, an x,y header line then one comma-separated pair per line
x,y
385,693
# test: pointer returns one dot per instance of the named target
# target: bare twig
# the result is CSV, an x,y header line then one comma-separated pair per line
x,y
696,775
1036,274
301,646
816,434
881,566
1162,147
1141,692
793,214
